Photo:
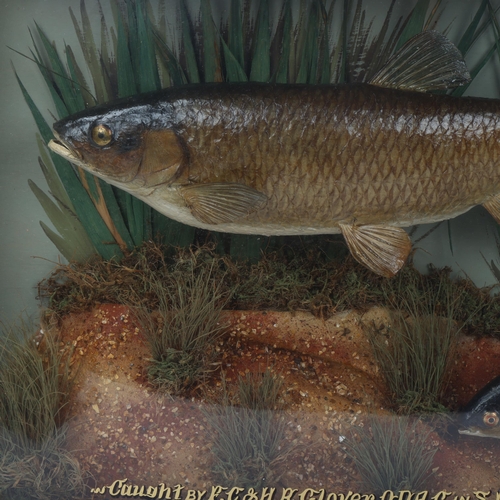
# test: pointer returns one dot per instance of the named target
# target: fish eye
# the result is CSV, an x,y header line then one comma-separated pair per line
x,y
101,134
490,419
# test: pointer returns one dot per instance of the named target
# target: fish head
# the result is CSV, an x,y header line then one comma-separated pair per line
x,y
481,416
128,146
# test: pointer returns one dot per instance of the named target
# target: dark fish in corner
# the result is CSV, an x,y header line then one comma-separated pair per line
x,y
364,160
481,416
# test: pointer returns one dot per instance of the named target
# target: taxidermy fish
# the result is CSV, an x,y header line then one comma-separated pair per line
x,y
481,416
364,160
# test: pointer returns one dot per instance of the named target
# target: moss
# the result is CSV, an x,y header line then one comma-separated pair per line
x,y
284,279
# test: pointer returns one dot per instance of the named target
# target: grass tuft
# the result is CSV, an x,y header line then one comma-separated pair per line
x,y
181,334
415,350
35,382
391,453
248,432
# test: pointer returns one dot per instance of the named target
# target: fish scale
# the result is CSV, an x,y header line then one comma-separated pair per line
x,y
363,159
378,163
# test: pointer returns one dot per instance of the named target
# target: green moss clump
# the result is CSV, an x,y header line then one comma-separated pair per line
x,y
283,279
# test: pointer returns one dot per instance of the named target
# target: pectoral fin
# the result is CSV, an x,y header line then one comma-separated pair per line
x,y
493,207
428,61
220,202
382,249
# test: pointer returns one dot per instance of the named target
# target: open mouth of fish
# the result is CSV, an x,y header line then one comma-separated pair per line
x,y
60,147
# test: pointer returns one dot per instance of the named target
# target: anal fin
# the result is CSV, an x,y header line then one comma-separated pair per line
x,y
493,207
382,249
221,202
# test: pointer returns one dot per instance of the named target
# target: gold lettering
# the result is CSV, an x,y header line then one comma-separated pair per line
x,y
152,491
265,495
232,491
422,495
177,490
216,491
126,490
441,495
99,490
388,495
288,493
371,496
138,492
405,495
356,496
164,490
312,492
116,486
191,495
332,496
482,495
251,495
201,494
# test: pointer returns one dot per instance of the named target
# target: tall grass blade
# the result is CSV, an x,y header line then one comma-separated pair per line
x,y
469,35
173,67
415,22
235,41
125,77
282,44
77,244
57,77
234,71
188,51
211,52
55,185
83,96
146,69
89,49
261,58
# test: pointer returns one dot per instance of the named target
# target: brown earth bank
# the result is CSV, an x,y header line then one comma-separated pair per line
x,y
121,428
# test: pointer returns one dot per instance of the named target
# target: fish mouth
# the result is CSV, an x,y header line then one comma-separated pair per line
x,y
61,147
478,433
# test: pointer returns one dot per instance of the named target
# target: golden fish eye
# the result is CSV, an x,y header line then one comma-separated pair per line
x,y
102,135
490,419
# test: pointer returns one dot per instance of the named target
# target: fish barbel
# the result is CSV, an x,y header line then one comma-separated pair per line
x,y
364,160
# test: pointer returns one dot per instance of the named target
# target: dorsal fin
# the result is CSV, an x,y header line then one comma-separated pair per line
x,y
428,61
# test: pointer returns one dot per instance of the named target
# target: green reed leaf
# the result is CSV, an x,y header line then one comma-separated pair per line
x,y
77,245
234,72
61,108
89,49
235,41
55,185
211,52
282,44
415,22
85,209
261,58
174,69
125,77
59,76
147,69
188,52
